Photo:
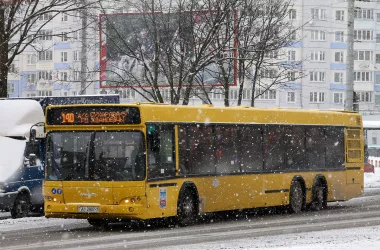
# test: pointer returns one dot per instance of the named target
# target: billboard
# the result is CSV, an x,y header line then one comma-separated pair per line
x,y
128,51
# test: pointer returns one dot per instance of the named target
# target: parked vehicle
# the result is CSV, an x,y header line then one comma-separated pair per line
x,y
22,147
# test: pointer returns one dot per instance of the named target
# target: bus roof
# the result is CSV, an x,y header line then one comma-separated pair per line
x,y
18,116
211,114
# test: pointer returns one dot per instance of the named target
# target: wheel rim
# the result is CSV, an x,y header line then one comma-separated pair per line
x,y
188,207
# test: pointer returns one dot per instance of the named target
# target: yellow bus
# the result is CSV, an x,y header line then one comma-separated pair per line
x,y
141,161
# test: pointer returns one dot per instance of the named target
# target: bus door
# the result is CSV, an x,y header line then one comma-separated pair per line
x,y
162,188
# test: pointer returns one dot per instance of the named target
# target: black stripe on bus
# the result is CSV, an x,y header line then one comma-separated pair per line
x,y
276,191
163,185
353,168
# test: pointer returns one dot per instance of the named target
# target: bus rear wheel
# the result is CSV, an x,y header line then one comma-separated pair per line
x,y
186,210
21,206
296,197
318,202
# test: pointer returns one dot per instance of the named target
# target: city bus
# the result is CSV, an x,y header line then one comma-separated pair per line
x,y
107,163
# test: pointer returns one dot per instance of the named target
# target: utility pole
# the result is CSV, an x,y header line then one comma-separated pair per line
x,y
349,105
83,53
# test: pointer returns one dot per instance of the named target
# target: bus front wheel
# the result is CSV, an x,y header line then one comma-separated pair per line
x,y
296,197
186,211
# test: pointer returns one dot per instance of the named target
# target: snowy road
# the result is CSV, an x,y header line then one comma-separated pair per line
x,y
41,233
344,225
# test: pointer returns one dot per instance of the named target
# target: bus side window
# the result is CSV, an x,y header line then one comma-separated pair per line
x,y
161,151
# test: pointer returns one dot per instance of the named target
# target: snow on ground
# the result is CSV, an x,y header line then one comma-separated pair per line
x,y
342,239
360,238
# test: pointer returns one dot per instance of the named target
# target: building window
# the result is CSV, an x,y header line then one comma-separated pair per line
x,y
318,14
45,55
263,94
291,76
64,76
339,36
45,35
76,76
31,79
317,55
338,98
45,75
65,17
377,38
378,17
11,87
365,14
293,36
292,14
247,94
273,54
64,56
363,35
377,99
338,77
76,55
338,56
377,58
317,97
291,55
291,97
269,73
317,76
45,93
363,55
363,76
46,17
318,35
339,15
32,59
64,37
364,96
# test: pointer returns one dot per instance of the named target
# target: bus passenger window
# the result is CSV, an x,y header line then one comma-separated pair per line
x,y
161,151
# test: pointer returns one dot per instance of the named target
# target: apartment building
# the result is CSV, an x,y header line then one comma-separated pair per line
x,y
52,65
320,50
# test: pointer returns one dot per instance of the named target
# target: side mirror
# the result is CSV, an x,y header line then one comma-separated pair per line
x,y
32,135
32,160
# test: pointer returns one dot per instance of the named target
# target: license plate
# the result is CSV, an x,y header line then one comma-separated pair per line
x,y
88,209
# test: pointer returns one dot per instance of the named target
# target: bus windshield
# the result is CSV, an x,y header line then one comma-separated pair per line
x,y
103,156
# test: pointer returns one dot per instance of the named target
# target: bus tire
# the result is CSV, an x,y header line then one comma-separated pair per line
x,y
21,206
296,199
187,210
98,222
319,201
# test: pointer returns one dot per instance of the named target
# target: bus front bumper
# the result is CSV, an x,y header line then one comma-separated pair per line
x,y
53,210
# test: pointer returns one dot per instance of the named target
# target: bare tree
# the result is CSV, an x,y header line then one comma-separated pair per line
x,y
263,34
21,23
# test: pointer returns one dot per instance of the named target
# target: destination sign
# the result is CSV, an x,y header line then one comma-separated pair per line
x,y
93,115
